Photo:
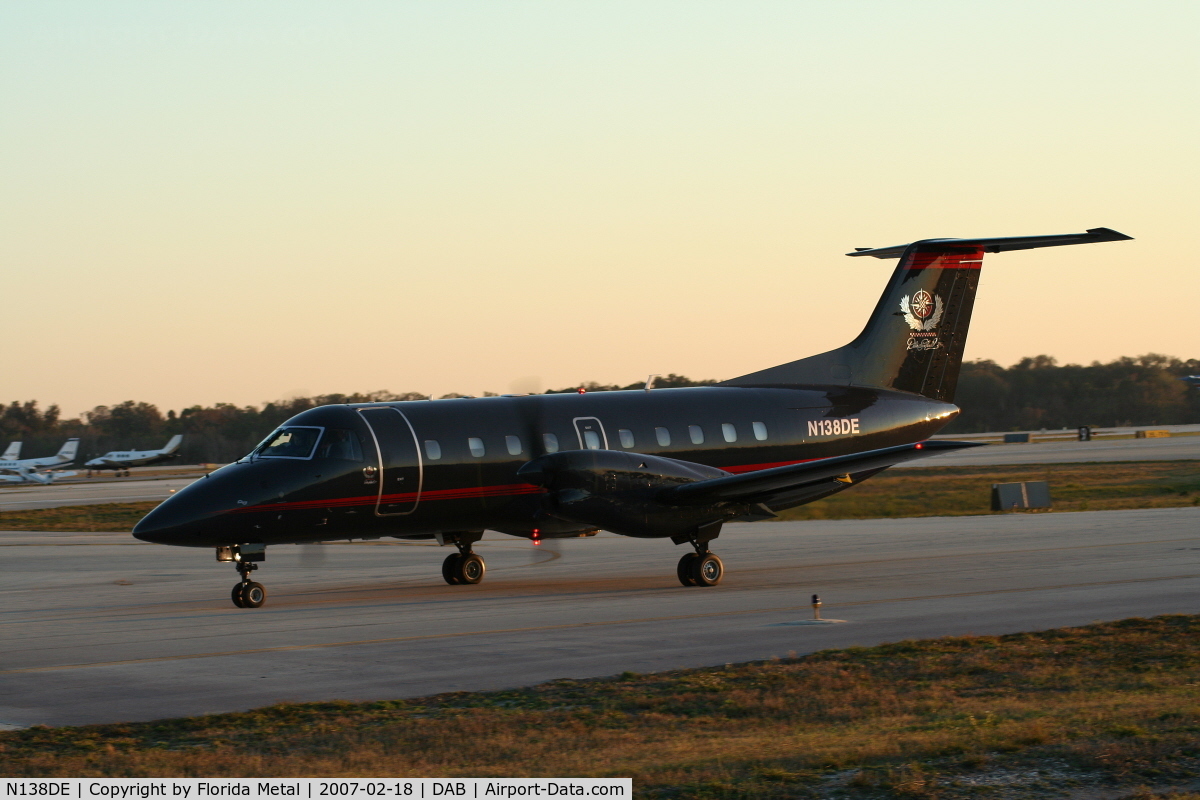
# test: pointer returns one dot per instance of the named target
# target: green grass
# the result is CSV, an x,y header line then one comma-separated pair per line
x,y
1111,704
953,491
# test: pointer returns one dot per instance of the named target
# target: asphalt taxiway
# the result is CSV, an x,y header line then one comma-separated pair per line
x,y
101,628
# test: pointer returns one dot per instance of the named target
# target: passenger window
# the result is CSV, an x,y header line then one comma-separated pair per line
x,y
514,445
550,441
760,431
729,432
432,449
591,440
663,435
695,434
626,438
476,446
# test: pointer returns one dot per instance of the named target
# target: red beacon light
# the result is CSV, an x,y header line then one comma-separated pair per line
x,y
535,537
581,390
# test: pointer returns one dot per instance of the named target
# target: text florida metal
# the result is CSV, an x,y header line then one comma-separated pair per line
x,y
657,463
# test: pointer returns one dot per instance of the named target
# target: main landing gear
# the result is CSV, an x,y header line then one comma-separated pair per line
x,y
246,593
463,567
701,568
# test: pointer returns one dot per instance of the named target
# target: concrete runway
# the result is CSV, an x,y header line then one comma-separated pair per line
x,y
101,628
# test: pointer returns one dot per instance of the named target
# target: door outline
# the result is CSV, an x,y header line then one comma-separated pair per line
x,y
580,429
383,469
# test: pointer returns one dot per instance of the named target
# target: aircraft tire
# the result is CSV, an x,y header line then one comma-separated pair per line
x,y
471,569
236,595
450,568
707,570
254,595
684,570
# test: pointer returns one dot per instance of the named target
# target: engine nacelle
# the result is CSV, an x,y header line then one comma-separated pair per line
x,y
618,491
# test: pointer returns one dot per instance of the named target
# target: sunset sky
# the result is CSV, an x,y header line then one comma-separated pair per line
x,y
238,202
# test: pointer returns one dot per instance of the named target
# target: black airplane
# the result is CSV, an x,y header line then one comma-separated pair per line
x,y
656,463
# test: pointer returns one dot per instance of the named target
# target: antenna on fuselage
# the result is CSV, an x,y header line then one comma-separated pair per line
x,y
650,381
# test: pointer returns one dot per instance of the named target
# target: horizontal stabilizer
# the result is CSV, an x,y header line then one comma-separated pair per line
x,y
1002,244
749,486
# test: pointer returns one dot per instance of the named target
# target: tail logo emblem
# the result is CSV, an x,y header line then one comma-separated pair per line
x,y
923,311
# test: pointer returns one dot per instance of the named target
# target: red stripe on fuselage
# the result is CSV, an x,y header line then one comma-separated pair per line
x,y
466,493
507,490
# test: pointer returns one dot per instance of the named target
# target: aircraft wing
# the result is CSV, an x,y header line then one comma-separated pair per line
x,y
762,486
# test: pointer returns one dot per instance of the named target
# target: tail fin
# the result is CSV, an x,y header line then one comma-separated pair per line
x,y
12,453
914,340
68,450
172,445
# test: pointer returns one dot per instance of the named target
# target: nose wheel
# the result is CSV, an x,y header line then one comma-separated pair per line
x,y
247,593
250,594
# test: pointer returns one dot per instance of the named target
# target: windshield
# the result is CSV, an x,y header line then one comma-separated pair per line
x,y
289,443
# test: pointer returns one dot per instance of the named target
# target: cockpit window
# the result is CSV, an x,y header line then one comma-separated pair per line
x,y
340,444
290,443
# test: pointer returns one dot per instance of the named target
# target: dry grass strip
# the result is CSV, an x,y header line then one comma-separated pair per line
x,y
1025,715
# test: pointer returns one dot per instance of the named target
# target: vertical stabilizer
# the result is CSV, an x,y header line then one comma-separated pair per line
x,y
12,452
172,445
67,453
914,339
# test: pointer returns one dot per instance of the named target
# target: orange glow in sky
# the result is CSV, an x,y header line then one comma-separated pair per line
x,y
239,202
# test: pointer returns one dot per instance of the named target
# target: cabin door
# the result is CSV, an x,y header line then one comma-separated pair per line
x,y
591,434
400,469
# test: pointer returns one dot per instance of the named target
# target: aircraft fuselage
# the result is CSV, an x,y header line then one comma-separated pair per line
x,y
429,467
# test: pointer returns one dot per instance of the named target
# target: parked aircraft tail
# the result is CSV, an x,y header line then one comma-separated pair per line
x,y
12,453
172,445
67,452
914,340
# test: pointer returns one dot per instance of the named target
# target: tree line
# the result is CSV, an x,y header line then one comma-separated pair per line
x,y
1034,393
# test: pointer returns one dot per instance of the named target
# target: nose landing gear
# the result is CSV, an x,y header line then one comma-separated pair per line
x,y
463,567
246,593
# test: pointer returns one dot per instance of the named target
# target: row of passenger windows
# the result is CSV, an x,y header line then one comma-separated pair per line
x,y
592,441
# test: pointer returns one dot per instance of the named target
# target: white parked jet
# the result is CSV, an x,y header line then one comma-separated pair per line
x,y
37,470
124,459
12,453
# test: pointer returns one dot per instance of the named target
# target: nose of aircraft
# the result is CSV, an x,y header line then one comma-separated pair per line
x,y
170,523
